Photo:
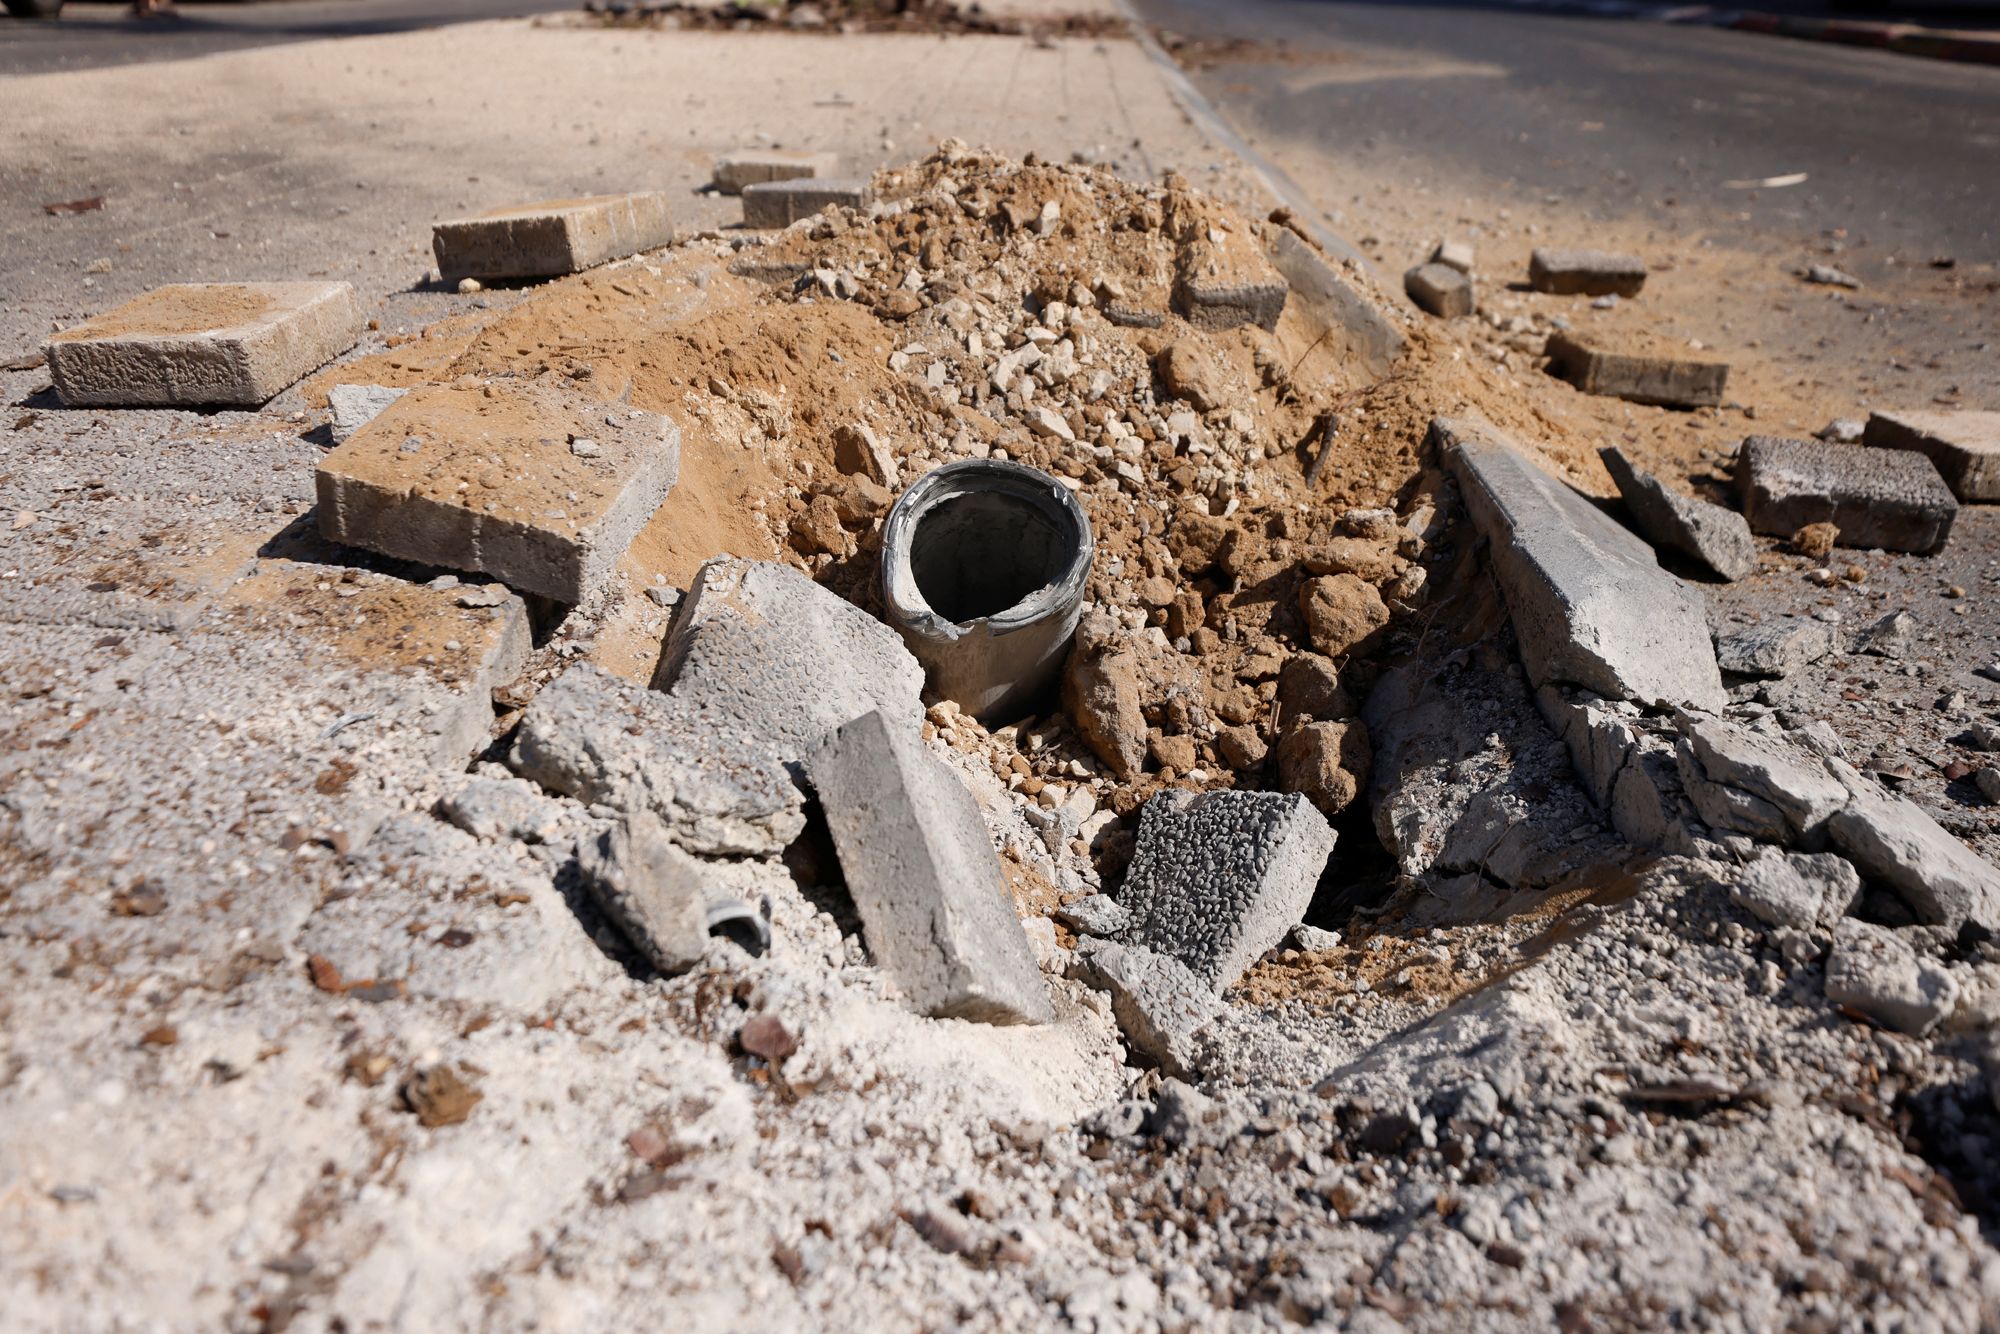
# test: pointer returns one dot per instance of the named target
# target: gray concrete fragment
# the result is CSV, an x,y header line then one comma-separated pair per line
x,y
921,869
1453,255
1336,305
1891,840
1965,446
1756,783
650,888
1210,303
1590,605
1777,647
352,406
1094,915
1218,879
1442,290
789,661
1890,637
1877,972
1804,890
1160,1005
490,809
1892,499
1639,373
1718,538
1585,273
709,777
753,166
550,239
203,344
772,204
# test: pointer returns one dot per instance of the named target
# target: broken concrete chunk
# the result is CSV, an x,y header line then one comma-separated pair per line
x,y
1804,890
1440,289
708,777
1585,273
1718,538
1891,840
789,661
1964,446
1094,915
1334,305
1218,879
203,345
1877,972
1221,286
1778,647
551,239
497,808
922,872
1590,605
780,203
650,888
1161,1007
753,166
1639,370
1892,499
858,452
539,487
353,406
1755,783
1890,637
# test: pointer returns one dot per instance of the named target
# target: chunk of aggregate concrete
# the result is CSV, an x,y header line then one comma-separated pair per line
x,y
753,166
1876,971
1964,446
649,887
1442,290
1777,647
1160,1004
538,487
772,204
1891,840
708,777
204,345
1590,605
1892,499
551,239
1336,304
1718,538
1242,293
1218,879
352,406
492,809
763,644
1803,890
1754,783
1638,373
923,874
1094,915
1585,273
1890,637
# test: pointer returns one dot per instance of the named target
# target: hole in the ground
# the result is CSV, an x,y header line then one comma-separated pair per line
x,y
978,554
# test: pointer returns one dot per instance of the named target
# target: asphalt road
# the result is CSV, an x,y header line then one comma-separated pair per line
x,y
1618,114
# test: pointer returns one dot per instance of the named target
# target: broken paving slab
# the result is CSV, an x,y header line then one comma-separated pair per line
x,y
1891,840
1637,368
551,239
1218,878
1710,534
1964,446
789,661
192,345
1757,783
649,887
1877,971
924,876
772,204
1440,289
538,487
1776,648
754,166
1333,302
1585,273
1160,1005
1590,604
1886,498
709,778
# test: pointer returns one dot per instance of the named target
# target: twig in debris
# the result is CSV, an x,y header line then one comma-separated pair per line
x,y
1329,426
1308,352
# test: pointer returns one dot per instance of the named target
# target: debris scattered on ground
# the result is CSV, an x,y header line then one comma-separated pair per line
x,y
751,166
1826,275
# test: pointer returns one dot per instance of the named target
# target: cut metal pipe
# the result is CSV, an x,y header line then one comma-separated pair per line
x,y
983,569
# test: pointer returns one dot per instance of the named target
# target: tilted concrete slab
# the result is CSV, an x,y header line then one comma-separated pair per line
x,y
1590,605
1335,303
1695,528
550,239
1965,446
1888,498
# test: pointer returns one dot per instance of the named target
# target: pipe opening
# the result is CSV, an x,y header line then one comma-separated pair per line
x,y
978,554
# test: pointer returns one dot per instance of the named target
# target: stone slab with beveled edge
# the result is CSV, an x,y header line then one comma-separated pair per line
x,y
204,345
754,166
550,239
1965,446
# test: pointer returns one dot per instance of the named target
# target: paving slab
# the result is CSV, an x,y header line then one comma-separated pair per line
x,y
1887,498
350,407
924,876
772,204
550,239
1891,840
1585,273
1637,369
1710,534
1590,605
538,487
124,565
1218,878
754,166
1965,446
204,345
1441,289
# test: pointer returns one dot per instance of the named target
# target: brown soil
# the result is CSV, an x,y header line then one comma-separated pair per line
x,y
184,308
835,17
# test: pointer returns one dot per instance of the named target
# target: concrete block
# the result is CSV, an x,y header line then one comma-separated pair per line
x,y
1640,370
1965,446
352,406
1218,879
1333,303
1710,534
922,872
536,486
771,204
1160,1005
754,166
789,661
1876,971
1590,605
1887,498
1453,255
1218,289
1442,290
203,345
1585,273
1778,647
1890,839
550,239
650,888
605,741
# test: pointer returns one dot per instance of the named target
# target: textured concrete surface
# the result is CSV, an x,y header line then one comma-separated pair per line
x,y
1717,538
649,887
780,203
1774,648
1891,499
1965,446
751,166
1876,971
554,238
1161,1006
1585,272
1638,373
